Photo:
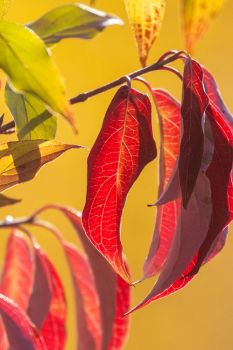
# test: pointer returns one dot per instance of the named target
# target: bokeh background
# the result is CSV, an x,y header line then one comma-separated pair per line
x,y
200,316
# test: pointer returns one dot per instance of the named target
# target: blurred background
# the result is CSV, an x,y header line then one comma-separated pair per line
x,y
200,316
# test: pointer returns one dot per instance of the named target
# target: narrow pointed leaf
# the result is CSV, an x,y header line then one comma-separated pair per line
x,y
22,334
72,21
41,296
191,231
32,120
168,110
30,67
87,299
54,326
123,148
21,160
194,104
18,271
113,292
7,201
197,17
145,17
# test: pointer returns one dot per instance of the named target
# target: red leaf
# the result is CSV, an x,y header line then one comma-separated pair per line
x,y
88,306
166,219
22,334
18,271
219,174
42,290
54,327
121,324
124,146
111,289
193,107
17,276
190,233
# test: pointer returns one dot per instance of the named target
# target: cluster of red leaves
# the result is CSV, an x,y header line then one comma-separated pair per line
x,y
195,192
33,304
194,209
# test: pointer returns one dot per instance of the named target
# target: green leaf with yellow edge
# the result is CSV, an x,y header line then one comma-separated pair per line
x,y
21,160
197,16
72,21
4,201
30,67
33,121
145,17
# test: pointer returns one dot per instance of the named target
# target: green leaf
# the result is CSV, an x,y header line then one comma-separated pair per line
x,y
21,160
31,68
32,120
72,21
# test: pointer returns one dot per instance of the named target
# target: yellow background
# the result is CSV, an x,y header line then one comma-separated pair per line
x,y
199,317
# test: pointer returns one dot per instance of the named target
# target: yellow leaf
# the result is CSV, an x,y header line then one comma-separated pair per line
x,y
4,7
21,160
146,18
197,16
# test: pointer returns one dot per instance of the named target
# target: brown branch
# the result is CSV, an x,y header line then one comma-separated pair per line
x,y
167,58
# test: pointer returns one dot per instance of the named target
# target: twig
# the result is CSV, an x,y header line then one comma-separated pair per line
x,y
162,62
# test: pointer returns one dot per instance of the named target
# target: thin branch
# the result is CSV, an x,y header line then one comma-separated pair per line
x,y
162,62
155,66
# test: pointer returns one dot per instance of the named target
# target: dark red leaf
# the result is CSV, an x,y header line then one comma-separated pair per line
x,y
124,146
194,103
22,334
191,231
42,290
166,219
54,327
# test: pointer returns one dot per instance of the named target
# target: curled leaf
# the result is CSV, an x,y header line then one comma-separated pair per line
x,y
146,18
21,160
193,107
72,21
123,148
197,17
169,115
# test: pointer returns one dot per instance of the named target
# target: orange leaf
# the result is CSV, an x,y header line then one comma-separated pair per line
x,y
146,18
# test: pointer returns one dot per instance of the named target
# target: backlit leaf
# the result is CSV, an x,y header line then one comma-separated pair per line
x,y
30,67
89,328
32,120
21,160
54,326
197,16
22,334
72,21
124,146
194,103
169,115
146,18
113,292
18,271
4,7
